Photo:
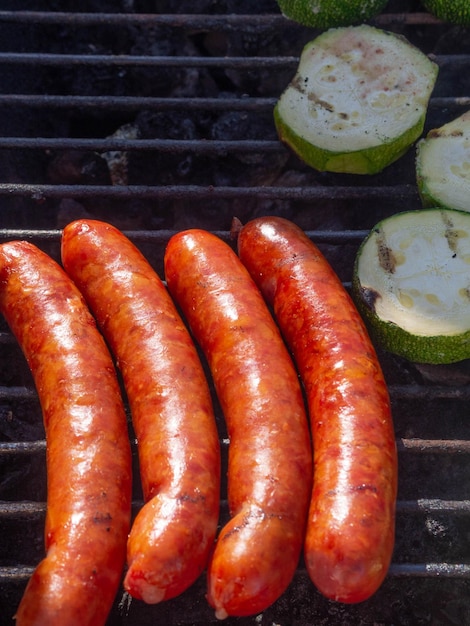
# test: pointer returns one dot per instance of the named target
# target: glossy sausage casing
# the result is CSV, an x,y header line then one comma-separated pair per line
x,y
88,449
269,465
170,403
350,533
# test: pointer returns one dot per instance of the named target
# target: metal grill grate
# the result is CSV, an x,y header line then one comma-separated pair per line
x,y
243,60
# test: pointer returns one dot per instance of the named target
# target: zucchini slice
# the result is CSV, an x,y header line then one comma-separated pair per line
x,y
358,100
330,13
411,283
443,165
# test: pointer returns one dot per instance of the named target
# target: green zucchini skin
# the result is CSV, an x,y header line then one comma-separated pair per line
x,y
435,350
330,13
452,11
369,161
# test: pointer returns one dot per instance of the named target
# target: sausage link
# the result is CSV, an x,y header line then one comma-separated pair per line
x,y
88,450
269,465
170,404
350,532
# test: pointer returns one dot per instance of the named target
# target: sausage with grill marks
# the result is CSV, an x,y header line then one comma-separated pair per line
x,y
350,532
170,404
88,451
269,465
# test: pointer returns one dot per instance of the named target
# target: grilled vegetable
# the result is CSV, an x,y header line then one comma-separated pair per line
x,y
357,102
411,282
329,13
443,165
452,11
351,524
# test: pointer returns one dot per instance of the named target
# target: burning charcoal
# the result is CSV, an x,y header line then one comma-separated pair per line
x,y
117,160
166,167
161,80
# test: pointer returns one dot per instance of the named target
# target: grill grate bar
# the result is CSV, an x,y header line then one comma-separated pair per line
x,y
202,22
18,573
416,392
22,510
65,60
421,392
198,21
125,60
174,146
426,446
433,446
136,103
14,393
337,236
10,509
420,570
402,570
193,192
162,236
18,448
434,505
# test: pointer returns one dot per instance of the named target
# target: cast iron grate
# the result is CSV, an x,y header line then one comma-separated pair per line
x,y
159,119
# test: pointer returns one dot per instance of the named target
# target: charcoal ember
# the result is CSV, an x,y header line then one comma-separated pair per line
x,y
237,125
89,168
161,80
215,169
78,167
86,80
118,160
170,125
166,168
249,168
258,80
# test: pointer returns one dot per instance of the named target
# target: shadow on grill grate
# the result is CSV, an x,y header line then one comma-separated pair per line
x,y
157,116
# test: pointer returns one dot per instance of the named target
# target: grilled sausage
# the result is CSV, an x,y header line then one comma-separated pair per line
x,y
350,532
170,404
269,465
88,450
